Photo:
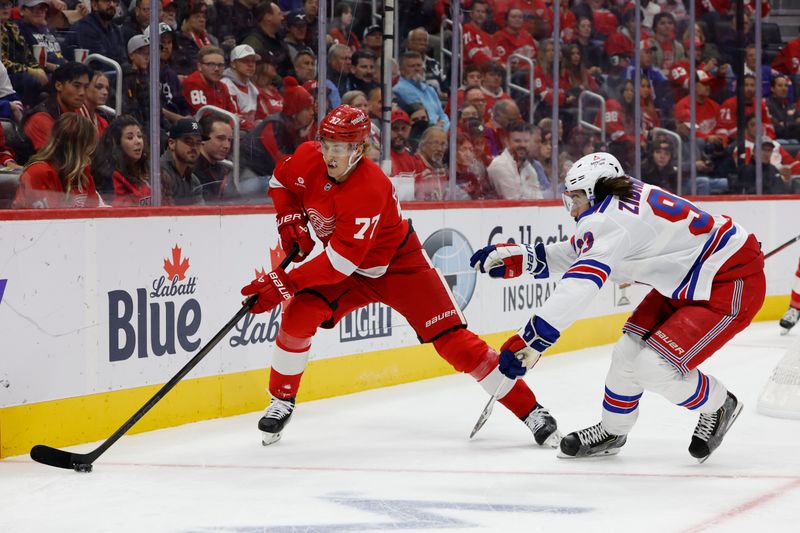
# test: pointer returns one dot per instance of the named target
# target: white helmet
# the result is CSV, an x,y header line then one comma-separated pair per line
x,y
584,174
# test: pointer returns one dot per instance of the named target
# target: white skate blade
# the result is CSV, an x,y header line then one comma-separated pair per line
x,y
736,413
269,438
784,331
613,451
554,440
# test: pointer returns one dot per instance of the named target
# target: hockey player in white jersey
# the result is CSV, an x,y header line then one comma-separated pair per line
x,y
707,274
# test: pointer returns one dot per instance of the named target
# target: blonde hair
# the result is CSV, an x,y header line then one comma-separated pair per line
x,y
69,150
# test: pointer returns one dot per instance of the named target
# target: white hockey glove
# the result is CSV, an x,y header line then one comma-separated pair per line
x,y
511,260
523,349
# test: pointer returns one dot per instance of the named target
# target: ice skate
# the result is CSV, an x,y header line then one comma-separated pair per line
x,y
789,319
712,427
544,427
591,442
278,414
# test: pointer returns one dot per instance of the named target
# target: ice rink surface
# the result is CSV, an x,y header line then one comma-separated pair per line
x,y
399,459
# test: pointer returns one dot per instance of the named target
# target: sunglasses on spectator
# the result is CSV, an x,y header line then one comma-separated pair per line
x,y
214,65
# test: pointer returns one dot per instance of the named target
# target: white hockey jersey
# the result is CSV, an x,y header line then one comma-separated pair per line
x,y
655,238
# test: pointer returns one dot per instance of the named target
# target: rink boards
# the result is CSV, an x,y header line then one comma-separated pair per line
x,y
97,313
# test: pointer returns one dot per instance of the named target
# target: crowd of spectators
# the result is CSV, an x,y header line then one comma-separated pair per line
x,y
257,61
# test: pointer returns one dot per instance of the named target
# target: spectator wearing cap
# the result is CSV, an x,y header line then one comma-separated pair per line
x,y
662,94
137,19
362,76
204,86
33,28
706,113
296,31
372,40
477,41
726,119
136,80
192,38
70,82
120,164
265,38
270,99
279,135
340,29
419,41
238,79
411,88
58,175
212,168
782,160
96,96
179,185
26,76
775,180
668,49
511,174
404,163
98,33
513,38
173,104
658,166
169,13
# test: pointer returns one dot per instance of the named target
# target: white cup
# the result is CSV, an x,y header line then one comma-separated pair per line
x,y
81,54
40,53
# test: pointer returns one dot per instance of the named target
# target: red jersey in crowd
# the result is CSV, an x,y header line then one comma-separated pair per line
x,y
543,86
269,103
788,59
726,122
567,20
506,43
40,187
405,164
477,44
129,193
605,22
706,115
780,157
358,221
198,93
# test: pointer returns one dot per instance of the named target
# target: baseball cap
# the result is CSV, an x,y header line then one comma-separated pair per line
x,y
766,140
647,44
169,3
398,115
242,51
136,42
297,17
32,3
163,28
375,28
185,127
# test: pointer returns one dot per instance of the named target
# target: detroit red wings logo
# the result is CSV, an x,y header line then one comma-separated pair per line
x,y
323,226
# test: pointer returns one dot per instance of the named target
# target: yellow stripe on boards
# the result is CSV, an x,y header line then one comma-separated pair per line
x,y
95,417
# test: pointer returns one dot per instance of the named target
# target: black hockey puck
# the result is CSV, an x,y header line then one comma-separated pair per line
x,y
82,467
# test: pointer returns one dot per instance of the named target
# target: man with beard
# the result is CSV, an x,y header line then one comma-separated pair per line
x,y
404,164
418,41
727,123
97,32
511,174
179,185
431,183
412,89
362,76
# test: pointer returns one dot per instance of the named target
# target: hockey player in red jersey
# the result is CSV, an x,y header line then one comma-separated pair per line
x,y
707,274
370,254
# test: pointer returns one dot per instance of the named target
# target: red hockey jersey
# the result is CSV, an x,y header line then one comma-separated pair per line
x,y
726,122
506,43
40,187
199,93
477,45
358,221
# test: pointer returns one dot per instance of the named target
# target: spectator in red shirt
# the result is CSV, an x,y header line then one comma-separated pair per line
x,y
270,99
492,77
477,41
513,38
341,27
70,82
543,75
96,95
706,112
120,164
404,163
7,154
788,59
727,123
58,175
203,86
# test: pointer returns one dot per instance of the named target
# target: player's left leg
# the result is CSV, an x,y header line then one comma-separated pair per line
x,y
792,315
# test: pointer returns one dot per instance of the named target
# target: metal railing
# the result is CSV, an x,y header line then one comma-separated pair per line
x,y
235,147
678,150
589,125
100,58
520,88
447,24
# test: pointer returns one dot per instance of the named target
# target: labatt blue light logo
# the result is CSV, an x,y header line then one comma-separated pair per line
x,y
157,320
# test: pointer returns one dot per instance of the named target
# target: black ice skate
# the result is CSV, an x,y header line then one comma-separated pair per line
x,y
591,442
789,319
711,428
544,427
278,414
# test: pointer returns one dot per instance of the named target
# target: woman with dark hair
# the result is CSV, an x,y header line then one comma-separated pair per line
x,y
120,163
58,176
341,27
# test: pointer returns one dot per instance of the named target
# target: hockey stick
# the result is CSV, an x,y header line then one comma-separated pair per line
x,y
487,411
82,462
782,246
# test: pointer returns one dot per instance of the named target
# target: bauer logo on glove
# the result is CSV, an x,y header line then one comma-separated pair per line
x,y
511,260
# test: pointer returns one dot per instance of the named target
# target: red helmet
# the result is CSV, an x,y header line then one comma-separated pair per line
x,y
345,124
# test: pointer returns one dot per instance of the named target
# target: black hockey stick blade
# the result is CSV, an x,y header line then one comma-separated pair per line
x,y
79,462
